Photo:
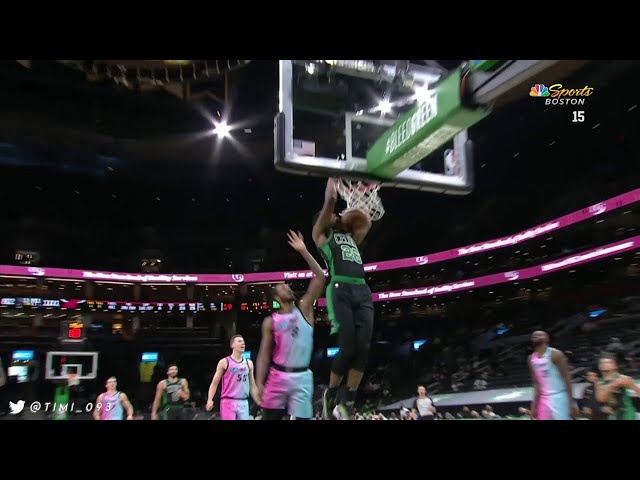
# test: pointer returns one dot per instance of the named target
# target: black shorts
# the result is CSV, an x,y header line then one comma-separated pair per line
x,y
351,312
349,303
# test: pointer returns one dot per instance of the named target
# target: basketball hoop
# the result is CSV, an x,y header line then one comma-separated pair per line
x,y
361,196
73,380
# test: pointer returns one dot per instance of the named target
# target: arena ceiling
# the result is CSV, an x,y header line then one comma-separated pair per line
x,y
82,141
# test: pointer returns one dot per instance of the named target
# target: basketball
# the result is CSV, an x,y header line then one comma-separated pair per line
x,y
354,219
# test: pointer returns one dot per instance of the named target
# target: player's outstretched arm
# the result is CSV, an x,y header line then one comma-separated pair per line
x,y
324,219
316,286
604,393
624,381
633,385
252,385
536,391
156,401
560,359
360,233
213,388
127,405
265,354
97,411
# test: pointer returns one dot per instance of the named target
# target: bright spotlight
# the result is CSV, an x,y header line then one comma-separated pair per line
x,y
422,94
384,106
222,130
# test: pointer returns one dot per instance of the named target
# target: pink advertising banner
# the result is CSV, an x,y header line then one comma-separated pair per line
x,y
588,256
547,228
593,255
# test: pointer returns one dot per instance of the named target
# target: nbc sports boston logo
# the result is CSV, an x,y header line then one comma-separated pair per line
x,y
557,94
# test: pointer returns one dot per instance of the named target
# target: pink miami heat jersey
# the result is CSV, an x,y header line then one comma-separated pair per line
x,y
550,380
111,407
235,382
293,339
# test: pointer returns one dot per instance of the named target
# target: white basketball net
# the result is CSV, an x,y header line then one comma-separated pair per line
x,y
362,196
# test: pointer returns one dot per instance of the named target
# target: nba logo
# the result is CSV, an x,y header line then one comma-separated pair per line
x,y
450,163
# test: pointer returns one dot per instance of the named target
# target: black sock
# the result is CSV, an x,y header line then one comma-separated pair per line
x,y
350,397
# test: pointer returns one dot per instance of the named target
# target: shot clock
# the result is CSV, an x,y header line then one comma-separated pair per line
x,y
72,331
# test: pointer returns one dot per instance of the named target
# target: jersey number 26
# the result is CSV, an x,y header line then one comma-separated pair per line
x,y
351,254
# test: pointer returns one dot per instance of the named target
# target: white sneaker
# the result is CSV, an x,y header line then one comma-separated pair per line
x,y
340,413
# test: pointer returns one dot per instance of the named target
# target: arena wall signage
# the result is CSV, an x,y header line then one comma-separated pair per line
x,y
547,228
588,256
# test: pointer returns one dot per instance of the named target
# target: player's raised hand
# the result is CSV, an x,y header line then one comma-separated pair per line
x,y
296,241
331,191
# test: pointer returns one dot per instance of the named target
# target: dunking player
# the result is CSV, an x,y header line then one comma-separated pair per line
x,y
112,402
552,392
287,344
613,391
171,395
236,374
349,300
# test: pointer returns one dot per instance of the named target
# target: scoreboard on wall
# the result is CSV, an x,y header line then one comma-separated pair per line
x,y
30,302
72,331
145,307
255,306
115,307
157,307
129,307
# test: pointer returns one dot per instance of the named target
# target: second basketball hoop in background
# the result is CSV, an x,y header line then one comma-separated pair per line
x,y
362,196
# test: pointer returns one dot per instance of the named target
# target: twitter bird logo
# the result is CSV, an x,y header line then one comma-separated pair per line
x,y
16,408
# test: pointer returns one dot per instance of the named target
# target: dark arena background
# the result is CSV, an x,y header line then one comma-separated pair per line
x,y
144,224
